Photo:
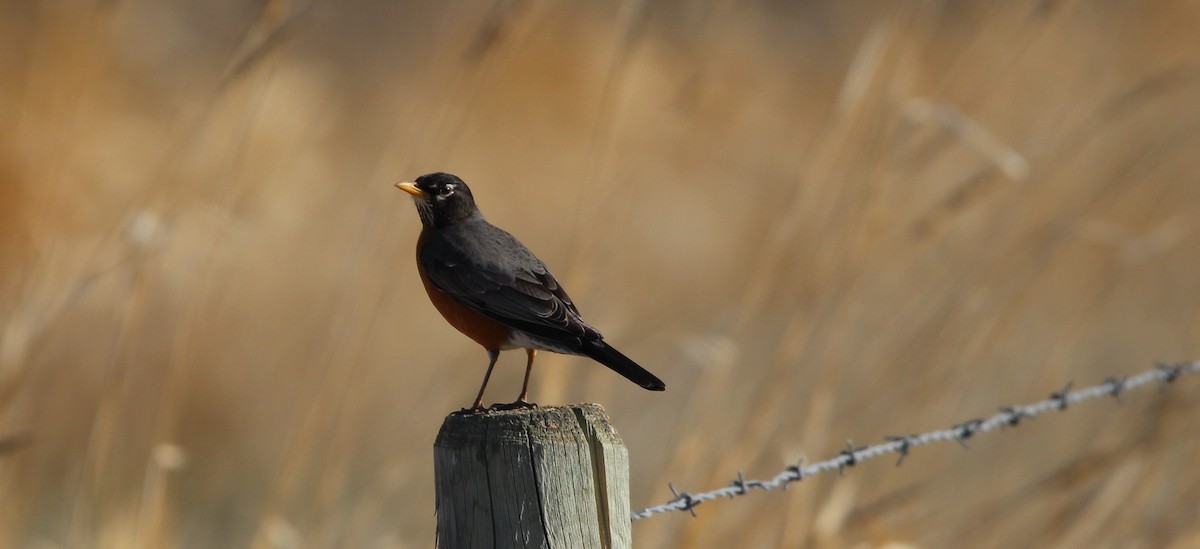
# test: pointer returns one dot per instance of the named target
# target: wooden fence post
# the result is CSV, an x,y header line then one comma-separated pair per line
x,y
556,478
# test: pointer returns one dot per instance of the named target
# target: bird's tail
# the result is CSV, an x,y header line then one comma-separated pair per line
x,y
604,354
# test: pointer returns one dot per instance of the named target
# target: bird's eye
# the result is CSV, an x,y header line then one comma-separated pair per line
x,y
446,190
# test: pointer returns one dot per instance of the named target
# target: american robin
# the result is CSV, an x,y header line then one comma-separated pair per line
x,y
495,291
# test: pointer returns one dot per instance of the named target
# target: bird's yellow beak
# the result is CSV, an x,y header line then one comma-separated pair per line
x,y
411,188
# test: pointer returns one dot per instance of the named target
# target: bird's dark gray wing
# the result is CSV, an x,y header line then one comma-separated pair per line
x,y
490,271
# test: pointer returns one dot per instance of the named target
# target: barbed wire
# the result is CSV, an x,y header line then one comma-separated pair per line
x,y
851,455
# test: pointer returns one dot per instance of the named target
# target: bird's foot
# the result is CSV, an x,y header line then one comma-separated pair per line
x,y
476,409
519,404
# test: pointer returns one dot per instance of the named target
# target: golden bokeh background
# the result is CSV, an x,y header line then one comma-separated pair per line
x,y
816,221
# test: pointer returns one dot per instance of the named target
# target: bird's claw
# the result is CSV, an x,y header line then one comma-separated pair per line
x,y
477,409
519,404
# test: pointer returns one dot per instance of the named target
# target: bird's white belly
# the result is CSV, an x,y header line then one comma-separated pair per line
x,y
521,340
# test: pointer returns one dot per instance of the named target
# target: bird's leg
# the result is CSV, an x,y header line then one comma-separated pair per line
x,y
521,402
493,354
528,368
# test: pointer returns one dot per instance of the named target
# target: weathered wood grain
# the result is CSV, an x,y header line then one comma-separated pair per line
x,y
549,478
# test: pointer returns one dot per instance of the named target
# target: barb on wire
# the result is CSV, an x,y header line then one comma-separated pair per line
x,y
1011,416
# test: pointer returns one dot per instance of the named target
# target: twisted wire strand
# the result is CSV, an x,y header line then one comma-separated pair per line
x,y
1163,374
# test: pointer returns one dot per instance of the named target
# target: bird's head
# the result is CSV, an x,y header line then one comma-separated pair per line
x,y
441,198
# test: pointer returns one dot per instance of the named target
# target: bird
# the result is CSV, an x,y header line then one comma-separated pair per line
x,y
494,290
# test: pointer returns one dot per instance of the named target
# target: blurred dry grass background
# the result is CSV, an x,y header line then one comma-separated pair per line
x,y
815,220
